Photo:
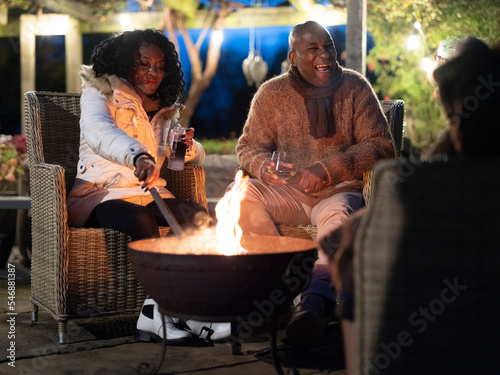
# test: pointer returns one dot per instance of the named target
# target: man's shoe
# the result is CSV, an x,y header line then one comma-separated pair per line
x,y
150,326
305,330
208,330
307,324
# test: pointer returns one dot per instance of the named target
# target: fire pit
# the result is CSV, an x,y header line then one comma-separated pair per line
x,y
223,276
193,281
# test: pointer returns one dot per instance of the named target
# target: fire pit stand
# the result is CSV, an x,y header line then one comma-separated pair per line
x,y
220,288
145,368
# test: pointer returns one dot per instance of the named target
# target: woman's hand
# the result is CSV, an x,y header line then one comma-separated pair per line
x,y
187,138
146,171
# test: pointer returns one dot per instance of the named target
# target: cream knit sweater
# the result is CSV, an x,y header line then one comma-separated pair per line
x,y
277,120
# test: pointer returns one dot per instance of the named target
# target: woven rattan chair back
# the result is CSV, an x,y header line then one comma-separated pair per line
x,y
55,131
78,272
426,276
394,112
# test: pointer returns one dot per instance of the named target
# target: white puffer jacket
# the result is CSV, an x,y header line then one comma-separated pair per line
x,y
114,128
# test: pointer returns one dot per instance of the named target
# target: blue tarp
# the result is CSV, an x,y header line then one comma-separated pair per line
x,y
133,5
263,3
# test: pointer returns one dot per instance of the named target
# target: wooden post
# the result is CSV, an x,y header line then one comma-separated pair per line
x,y
51,24
4,15
74,55
27,40
356,36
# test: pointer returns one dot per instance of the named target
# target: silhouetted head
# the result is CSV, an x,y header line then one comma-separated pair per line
x,y
469,91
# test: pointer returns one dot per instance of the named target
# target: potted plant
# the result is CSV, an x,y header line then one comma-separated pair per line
x,y
13,167
13,161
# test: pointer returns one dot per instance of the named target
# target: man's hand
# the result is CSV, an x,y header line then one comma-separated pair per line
x,y
270,178
312,179
146,171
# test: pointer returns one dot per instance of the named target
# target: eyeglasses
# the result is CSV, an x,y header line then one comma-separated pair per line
x,y
146,66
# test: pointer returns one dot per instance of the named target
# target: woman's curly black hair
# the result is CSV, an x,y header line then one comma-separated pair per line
x,y
119,55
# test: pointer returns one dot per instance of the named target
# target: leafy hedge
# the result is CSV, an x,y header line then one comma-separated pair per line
x,y
219,146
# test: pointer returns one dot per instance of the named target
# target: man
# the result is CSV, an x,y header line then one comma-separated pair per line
x,y
329,121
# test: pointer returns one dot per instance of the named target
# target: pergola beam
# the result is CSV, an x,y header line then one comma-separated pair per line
x,y
72,8
243,18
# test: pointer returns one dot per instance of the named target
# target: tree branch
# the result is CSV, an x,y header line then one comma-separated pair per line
x,y
213,53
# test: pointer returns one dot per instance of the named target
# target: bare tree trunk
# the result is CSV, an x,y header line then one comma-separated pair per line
x,y
200,78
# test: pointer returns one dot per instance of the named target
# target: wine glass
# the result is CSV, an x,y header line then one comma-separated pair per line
x,y
283,167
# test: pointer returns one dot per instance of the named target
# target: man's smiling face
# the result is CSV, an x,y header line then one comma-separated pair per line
x,y
313,53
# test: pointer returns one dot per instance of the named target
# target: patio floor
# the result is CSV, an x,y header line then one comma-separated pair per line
x,y
107,346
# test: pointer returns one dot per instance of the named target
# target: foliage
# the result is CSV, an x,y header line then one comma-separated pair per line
x,y
186,7
398,70
12,158
96,7
219,146
105,7
23,4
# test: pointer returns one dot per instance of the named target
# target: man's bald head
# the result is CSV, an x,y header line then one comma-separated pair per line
x,y
303,28
312,53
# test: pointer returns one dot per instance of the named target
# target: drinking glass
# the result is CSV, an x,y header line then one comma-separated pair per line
x,y
177,149
283,167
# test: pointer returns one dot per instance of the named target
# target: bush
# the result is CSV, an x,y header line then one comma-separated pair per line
x,y
219,146
398,70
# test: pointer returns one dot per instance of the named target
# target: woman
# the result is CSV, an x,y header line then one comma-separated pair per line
x,y
469,95
129,104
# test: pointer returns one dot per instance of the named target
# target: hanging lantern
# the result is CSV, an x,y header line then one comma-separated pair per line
x,y
254,67
258,70
246,68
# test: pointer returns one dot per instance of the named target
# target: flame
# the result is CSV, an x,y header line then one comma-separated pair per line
x,y
228,212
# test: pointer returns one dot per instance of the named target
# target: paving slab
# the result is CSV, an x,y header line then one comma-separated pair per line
x,y
106,345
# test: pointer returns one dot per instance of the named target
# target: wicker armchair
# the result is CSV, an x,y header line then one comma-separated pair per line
x,y
78,272
426,270
394,111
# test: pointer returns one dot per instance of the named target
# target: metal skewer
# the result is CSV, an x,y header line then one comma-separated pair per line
x,y
167,214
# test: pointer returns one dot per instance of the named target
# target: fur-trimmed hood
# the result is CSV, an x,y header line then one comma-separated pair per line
x,y
103,83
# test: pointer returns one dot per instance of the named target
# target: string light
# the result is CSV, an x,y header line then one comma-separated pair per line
x,y
125,20
217,36
428,64
413,42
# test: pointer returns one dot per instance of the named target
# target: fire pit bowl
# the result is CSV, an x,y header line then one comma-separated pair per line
x,y
200,284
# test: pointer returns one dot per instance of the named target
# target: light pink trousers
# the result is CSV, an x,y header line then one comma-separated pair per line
x,y
264,205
